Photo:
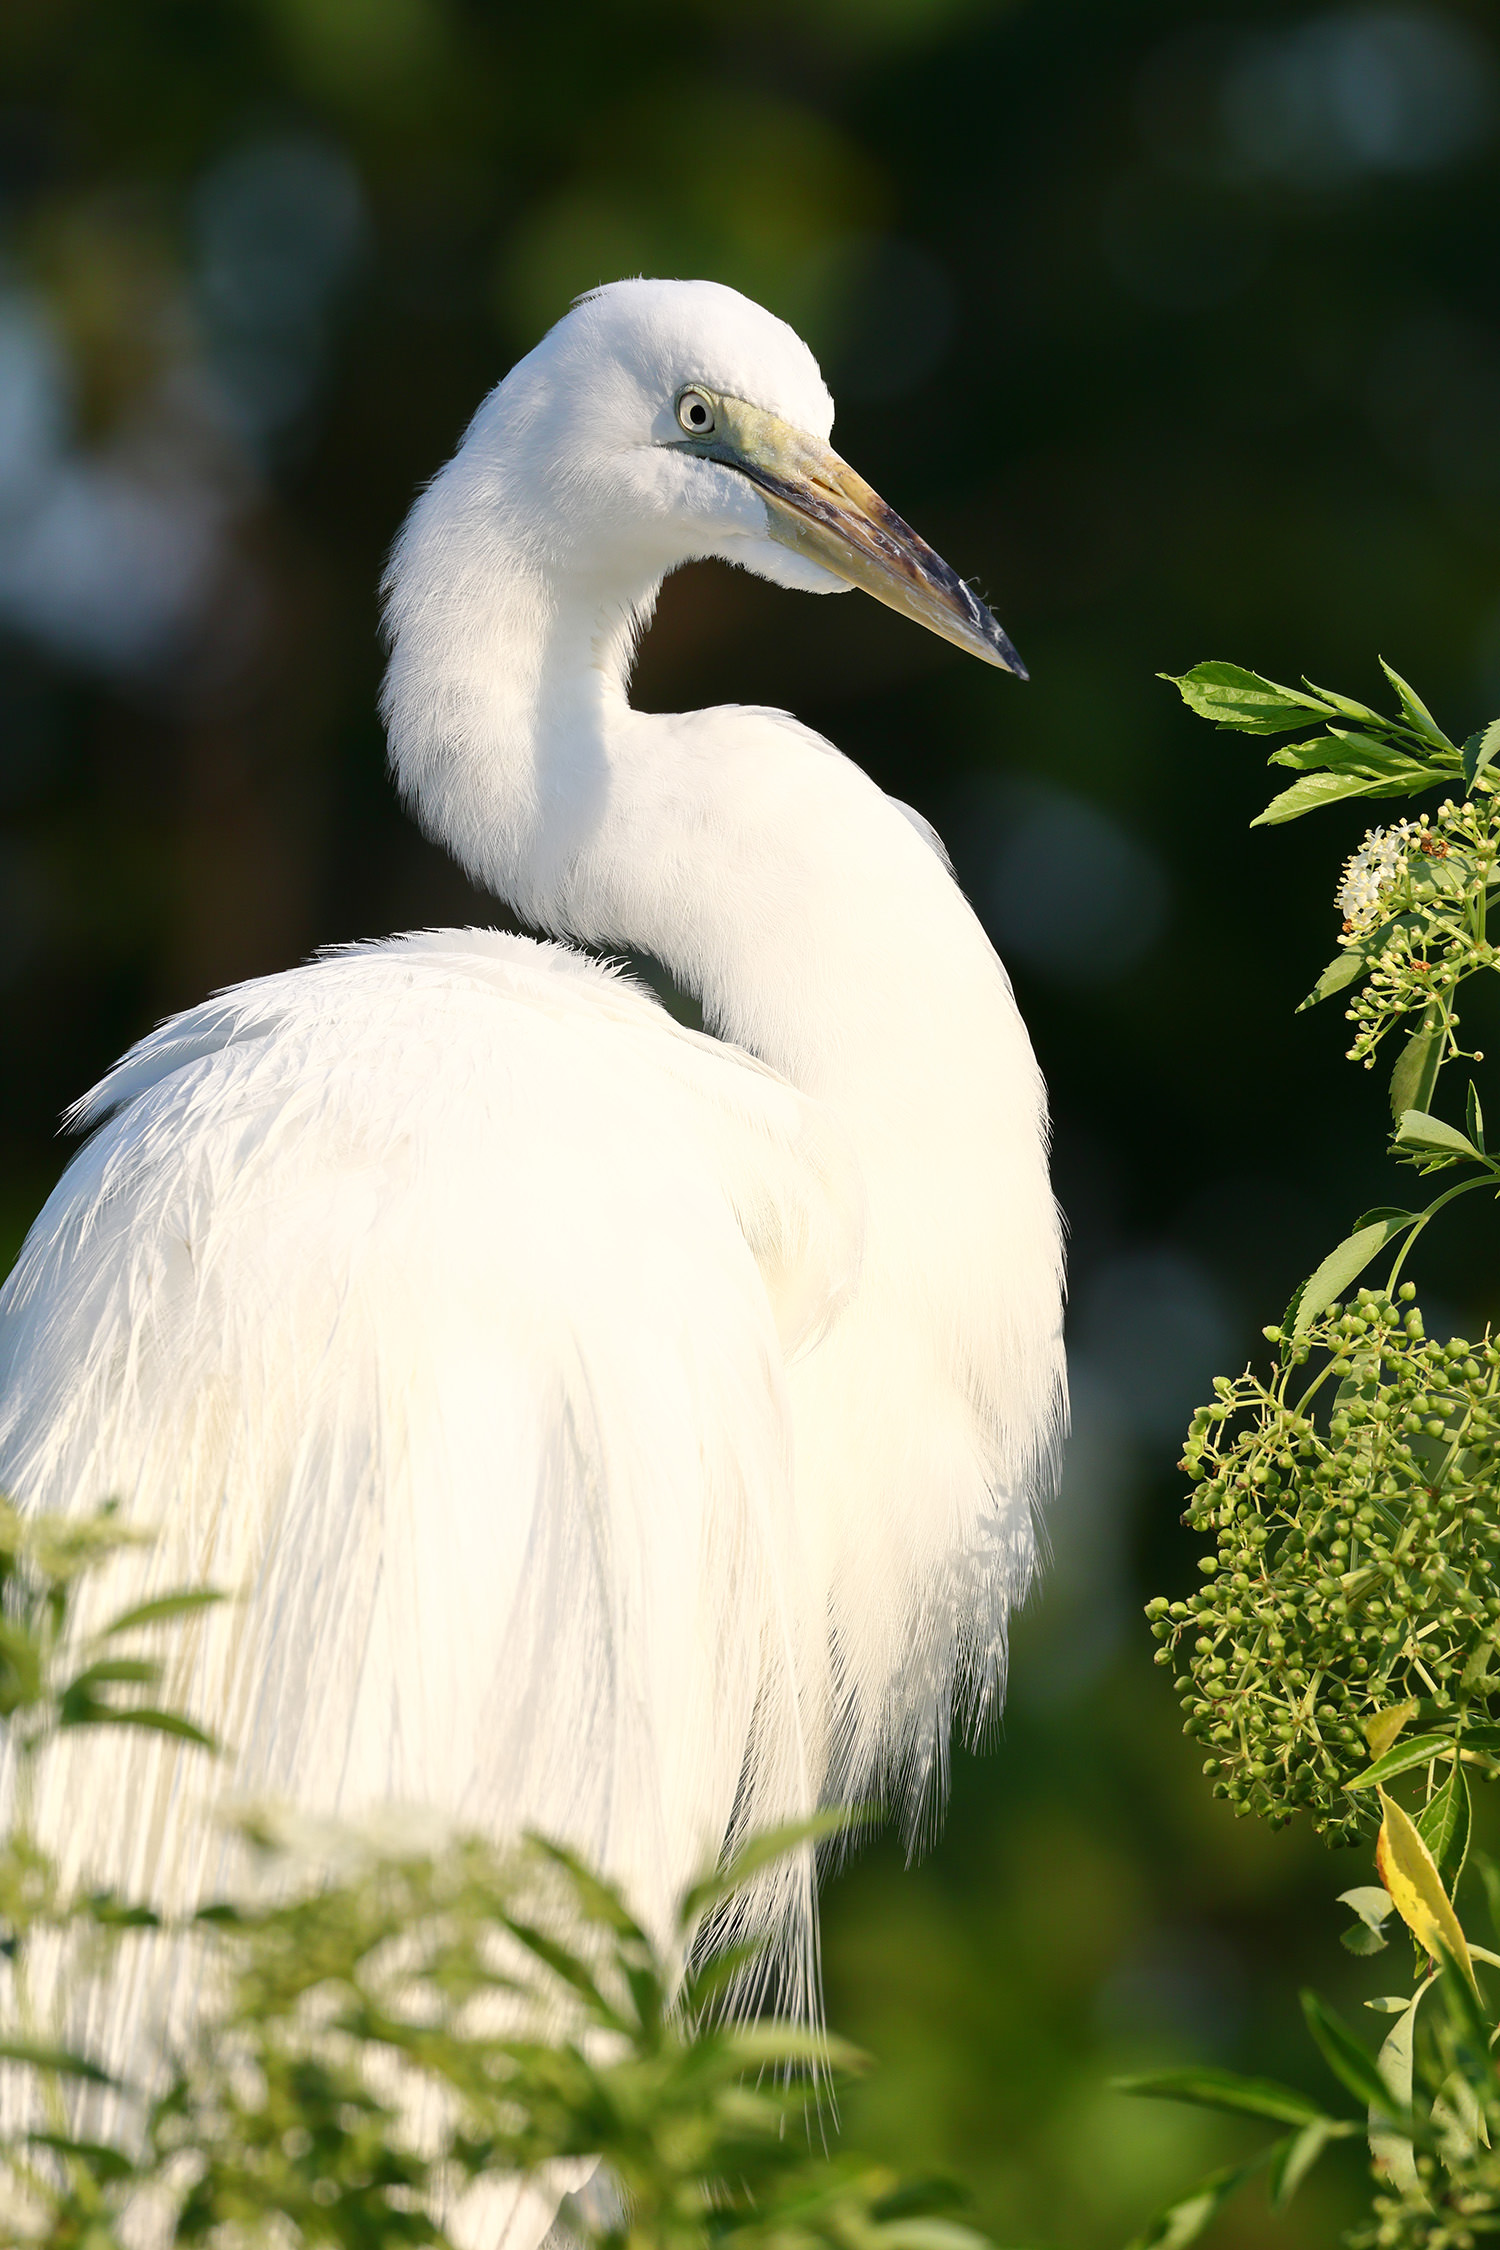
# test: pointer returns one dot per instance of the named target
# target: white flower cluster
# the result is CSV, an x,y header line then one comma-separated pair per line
x,y
1370,872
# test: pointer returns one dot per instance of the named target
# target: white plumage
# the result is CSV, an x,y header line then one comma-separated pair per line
x,y
611,1429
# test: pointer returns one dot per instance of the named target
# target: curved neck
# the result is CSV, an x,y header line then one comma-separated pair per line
x,y
766,872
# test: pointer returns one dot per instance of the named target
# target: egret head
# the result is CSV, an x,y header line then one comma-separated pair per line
x,y
664,421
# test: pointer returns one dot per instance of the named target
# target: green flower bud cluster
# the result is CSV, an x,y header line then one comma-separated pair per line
x,y
1467,2210
1428,932
1356,1562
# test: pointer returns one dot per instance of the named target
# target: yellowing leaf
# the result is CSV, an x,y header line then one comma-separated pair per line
x,y
1408,1873
1382,1730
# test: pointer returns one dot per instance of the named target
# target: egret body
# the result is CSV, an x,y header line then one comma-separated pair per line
x,y
611,1429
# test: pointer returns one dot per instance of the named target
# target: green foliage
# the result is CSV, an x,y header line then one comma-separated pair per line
x,y
1345,1640
1349,1494
1372,757
390,2022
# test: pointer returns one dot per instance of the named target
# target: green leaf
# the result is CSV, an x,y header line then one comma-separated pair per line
x,y
155,1722
1315,789
1292,2160
930,2234
1184,2220
601,1901
128,1671
1341,971
112,1912
1362,1942
1224,2089
1419,1131
1489,1875
1340,750
1444,1823
1233,697
1393,2151
1417,1066
1466,2014
762,1851
1345,705
1419,1751
1382,1727
40,2056
1342,1266
1480,752
1477,1664
1416,711
167,1605
1343,751
1371,1902
1313,755
1350,2063
766,2045
104,2162
1474,1118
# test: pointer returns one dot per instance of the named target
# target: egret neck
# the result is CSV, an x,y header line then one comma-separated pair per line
x,y
818,924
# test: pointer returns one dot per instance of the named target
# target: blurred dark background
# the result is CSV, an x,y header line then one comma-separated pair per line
x,y
1178,325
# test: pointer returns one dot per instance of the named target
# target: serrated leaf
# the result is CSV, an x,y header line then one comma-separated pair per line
x,y
1313,755
1224,2089
1477,1665
1232,697
1416,711
1342,1266
1420,1751
1315,789
1408,1873
1481,751
1340,972
1415,1074
1418,1130
1345,705
1341,750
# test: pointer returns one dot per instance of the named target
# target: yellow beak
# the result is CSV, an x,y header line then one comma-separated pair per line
x,y
821,507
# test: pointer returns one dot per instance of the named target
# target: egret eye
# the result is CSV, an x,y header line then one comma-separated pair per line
x,y
695,414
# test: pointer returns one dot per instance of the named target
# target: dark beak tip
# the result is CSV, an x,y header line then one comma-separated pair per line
x,y
1004,649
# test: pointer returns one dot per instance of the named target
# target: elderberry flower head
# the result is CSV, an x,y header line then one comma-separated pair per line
x,y
1370,872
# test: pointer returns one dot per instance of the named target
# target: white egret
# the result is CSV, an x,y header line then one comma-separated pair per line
x,y
612,1429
